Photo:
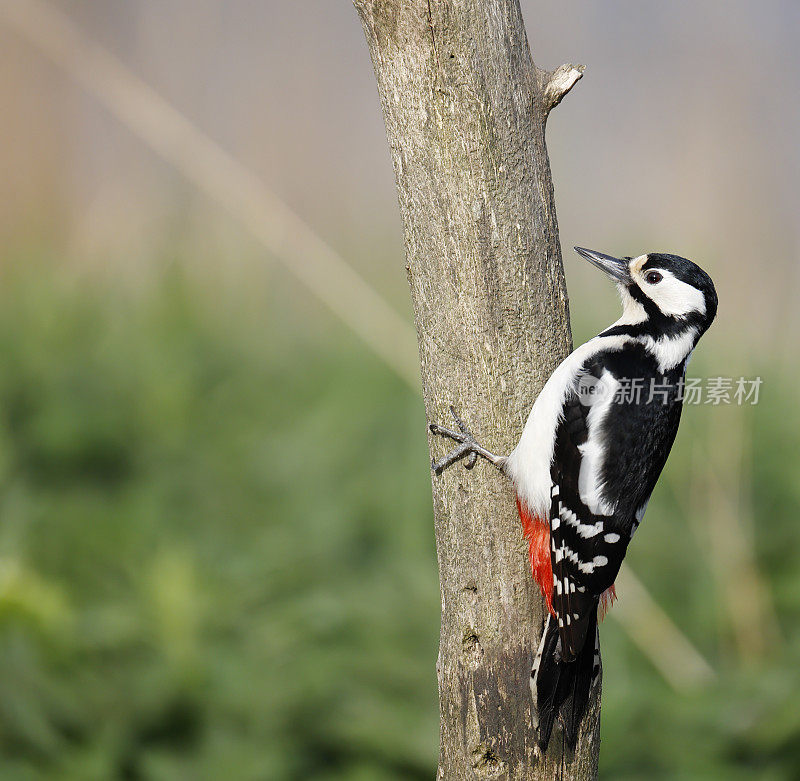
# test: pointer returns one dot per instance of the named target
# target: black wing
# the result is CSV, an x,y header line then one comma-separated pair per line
x,y
586,548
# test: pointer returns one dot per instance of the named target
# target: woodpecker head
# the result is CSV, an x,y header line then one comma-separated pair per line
x,y
668,293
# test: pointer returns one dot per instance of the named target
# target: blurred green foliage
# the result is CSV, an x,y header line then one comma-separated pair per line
x,y
217,556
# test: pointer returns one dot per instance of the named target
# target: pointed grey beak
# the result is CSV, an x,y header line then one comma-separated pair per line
x,y
616,268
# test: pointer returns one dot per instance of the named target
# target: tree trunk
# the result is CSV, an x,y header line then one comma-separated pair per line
x,y
465,110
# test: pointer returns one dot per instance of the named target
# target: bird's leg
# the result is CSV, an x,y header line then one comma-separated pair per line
x,y
467,447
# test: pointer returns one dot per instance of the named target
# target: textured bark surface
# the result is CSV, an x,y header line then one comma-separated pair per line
x,y
465,110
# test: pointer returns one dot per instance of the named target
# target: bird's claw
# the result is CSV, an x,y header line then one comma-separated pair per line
x,y
465,448
460,423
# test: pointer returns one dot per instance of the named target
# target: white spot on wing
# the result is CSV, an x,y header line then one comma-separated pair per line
x,y
585,530
638,517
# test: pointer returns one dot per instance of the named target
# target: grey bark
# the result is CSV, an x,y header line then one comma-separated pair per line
x,y
465,110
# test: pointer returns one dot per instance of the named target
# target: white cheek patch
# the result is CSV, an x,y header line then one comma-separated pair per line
x,y
674,297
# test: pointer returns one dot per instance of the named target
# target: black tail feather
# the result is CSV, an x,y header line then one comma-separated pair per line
x,y
545,682
563,687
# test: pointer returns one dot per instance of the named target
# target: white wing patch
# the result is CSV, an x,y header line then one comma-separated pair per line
x,y
593,451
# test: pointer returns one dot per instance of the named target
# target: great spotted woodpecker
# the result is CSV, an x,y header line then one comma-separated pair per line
x,y
589,456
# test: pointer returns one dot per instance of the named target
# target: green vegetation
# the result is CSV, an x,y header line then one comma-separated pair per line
x,y
217,559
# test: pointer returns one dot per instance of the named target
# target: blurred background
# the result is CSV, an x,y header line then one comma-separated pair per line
x,y
216,543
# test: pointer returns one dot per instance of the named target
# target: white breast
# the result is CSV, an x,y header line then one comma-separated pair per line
x,y
528,465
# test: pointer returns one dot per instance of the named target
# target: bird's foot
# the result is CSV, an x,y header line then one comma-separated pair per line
x,y
467,447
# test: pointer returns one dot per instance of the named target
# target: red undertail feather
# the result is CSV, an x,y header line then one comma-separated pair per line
x,y
607,599
537,532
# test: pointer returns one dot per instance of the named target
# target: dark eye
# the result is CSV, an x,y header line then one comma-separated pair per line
x,y
653,277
